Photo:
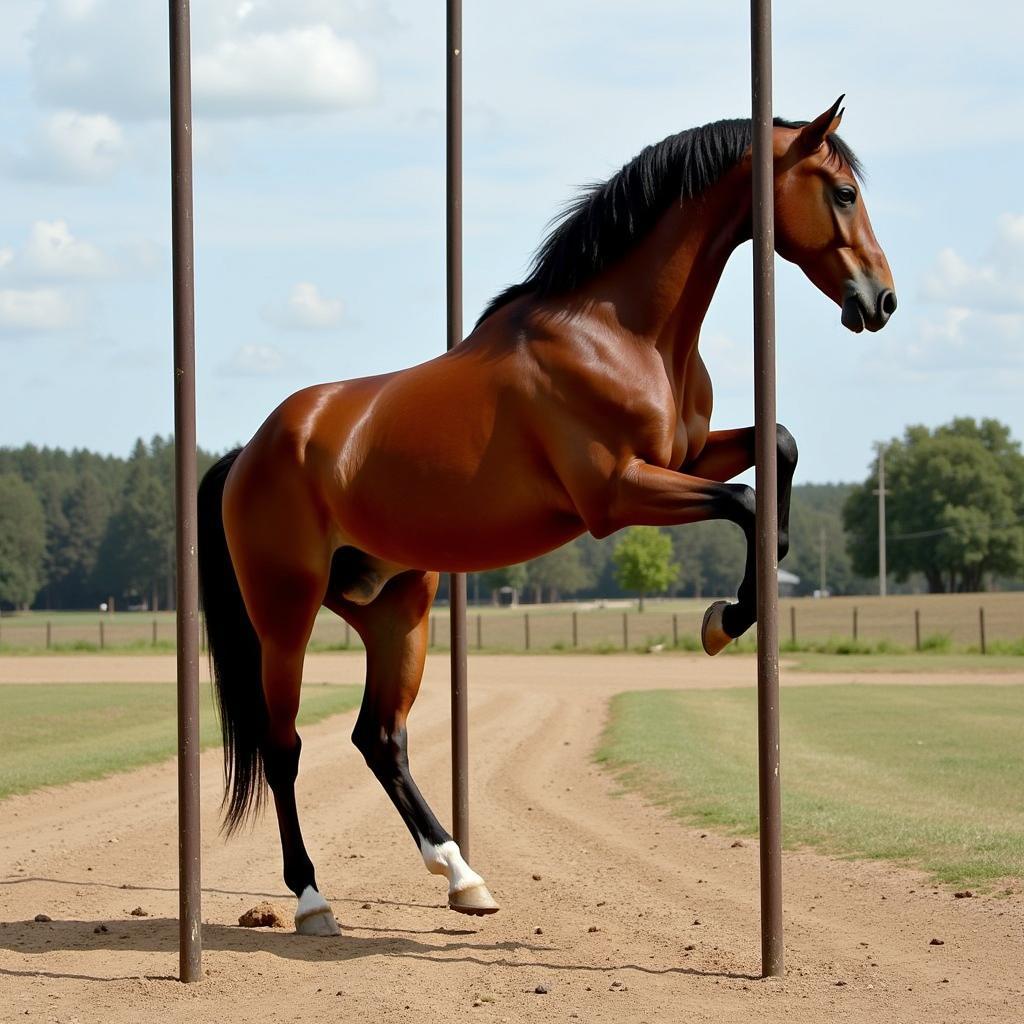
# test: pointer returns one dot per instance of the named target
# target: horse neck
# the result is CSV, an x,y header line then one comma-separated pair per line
x,y
663,290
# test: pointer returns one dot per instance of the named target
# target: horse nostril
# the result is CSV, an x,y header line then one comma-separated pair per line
x,y
887,303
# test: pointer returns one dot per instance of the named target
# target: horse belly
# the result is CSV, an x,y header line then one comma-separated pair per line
x,y
448,522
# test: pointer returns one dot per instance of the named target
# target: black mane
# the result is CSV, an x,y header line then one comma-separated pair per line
x,y
607,218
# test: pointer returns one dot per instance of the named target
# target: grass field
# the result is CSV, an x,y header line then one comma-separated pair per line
x,y
931,776
55,733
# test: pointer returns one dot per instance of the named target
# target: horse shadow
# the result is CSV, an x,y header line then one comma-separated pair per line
x,y
160,935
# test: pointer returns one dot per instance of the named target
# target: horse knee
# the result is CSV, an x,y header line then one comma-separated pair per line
x,y
786,444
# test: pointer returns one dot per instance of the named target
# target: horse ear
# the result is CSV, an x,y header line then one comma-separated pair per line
x,y
814,134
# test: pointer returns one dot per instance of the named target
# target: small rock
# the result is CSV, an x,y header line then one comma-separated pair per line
x,y
477,1002
689,946
42,918
696,920
738,843
840,983
617,986
536,878
937,942
264,915
100,929
593,928
139,912
945,981
541,990
966,894
538,931
366,906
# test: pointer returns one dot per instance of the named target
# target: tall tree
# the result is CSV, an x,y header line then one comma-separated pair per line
x,y
954,508
643,560
22,542
562,571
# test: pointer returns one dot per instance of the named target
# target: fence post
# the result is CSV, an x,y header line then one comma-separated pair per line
x,y
625,631
575,629
102,644
981,627
479,631
917,629
792,624
675,630
526,630
854,622
49,634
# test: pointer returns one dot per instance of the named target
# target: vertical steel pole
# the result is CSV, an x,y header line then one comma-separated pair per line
x,y
185,485
457,581
769,783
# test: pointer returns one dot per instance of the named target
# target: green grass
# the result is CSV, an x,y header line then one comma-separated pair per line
x,y
55,733
911,661
930,776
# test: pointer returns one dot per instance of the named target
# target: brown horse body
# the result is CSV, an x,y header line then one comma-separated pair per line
x,y
568,409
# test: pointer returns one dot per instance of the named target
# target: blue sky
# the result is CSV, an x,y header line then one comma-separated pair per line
x,y
320,206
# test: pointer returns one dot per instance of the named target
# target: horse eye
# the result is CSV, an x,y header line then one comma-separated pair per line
x,y
846,196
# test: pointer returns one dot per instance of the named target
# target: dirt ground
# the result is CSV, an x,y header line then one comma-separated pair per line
x,y
613,909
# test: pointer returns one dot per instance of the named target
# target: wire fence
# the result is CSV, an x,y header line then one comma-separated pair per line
x,y
980,622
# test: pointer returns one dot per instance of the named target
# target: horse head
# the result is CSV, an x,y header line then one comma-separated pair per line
x,y
822,223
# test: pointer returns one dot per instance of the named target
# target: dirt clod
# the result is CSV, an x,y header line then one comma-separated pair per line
x,y
541,990
937,942
264,915
42,918
140,912
536,878
538,931
593,928
965,894
738,843
100,929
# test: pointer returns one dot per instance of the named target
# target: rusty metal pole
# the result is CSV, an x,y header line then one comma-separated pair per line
x,y
769,782
457,580
190,944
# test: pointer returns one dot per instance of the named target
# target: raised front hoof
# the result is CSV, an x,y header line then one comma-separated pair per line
x,y
475,901
712,633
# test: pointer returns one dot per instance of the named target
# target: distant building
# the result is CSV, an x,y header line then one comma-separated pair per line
x,y
788,582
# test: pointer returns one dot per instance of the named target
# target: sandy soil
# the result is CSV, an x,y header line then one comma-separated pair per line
x,y
676,911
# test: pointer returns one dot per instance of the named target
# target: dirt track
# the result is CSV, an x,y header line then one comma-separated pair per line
x,y
540,807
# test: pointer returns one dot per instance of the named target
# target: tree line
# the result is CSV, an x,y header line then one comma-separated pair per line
x,y
79,528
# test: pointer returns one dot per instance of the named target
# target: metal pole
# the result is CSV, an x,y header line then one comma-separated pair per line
x,y
185,486
457,581
981,628
769,783
881,492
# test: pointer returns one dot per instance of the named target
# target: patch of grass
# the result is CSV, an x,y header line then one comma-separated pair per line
x,y
911,662
925,775
55,733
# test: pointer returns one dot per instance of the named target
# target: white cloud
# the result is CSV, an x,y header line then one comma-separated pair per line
x,y
307,310
38,309
254,361
994,284
71,147
52,252
249,59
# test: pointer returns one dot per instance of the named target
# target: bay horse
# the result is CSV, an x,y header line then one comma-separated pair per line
x,y
579,402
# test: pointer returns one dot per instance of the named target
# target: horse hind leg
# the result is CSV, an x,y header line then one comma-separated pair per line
x,y
283,622
394,630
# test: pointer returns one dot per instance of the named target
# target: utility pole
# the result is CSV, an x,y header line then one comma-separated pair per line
x,y
822,562
881,492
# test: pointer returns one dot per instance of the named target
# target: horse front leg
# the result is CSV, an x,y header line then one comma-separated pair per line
x,y
726,454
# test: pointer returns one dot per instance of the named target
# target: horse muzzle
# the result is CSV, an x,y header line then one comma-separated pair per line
x,y
867,308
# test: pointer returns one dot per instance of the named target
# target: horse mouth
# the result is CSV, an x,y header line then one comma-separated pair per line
x,y
853,314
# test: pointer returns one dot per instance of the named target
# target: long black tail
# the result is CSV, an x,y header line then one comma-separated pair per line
x,y
234,657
